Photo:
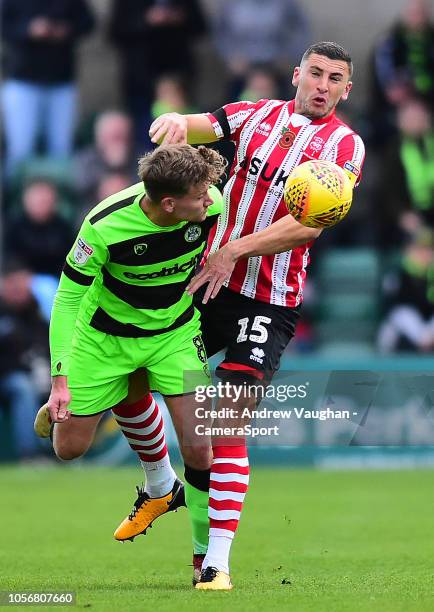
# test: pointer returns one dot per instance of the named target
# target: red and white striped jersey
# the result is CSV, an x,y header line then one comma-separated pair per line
x,y
270,141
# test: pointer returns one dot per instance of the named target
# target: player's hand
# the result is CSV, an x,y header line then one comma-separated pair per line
x,y
218,268
59,400
170,128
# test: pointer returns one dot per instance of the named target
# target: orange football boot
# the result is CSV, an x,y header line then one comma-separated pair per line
x,y
147,509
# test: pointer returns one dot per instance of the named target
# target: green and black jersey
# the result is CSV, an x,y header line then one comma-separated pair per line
x,y
126,276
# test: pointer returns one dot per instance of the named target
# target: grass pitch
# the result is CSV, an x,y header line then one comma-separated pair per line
x,y
308,541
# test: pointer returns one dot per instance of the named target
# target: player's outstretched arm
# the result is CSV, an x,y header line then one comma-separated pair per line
x,y
174,128
283,235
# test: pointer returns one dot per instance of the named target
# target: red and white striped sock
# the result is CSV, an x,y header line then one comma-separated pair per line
x,y
142,425
228,486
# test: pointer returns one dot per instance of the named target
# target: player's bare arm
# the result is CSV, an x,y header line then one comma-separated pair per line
x,y
284,235
174,128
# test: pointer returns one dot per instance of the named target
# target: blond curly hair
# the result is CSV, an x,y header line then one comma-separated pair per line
x,y
173,169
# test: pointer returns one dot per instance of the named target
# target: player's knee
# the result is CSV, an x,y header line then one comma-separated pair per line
x,y
199,458
67,452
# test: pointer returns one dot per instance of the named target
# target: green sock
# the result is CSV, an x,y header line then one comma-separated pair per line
x,y
197,506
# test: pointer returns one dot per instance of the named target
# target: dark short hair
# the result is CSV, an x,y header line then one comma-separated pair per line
x,y
170,170
331,50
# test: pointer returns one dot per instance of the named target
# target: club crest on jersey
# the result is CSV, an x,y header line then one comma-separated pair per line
x,y
141,248
264,129
287,139
82,252
316,144
192,233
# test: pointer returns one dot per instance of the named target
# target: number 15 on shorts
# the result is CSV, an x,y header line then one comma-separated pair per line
x,y
258,326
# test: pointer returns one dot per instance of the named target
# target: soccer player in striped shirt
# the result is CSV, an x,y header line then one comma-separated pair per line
x,y
257,253
122,323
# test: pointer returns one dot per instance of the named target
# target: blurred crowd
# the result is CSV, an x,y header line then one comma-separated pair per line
x,y
57,163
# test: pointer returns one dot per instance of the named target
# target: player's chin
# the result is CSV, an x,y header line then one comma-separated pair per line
x,y
318,112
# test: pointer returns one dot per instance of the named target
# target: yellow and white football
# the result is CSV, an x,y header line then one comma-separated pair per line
x,y
318,193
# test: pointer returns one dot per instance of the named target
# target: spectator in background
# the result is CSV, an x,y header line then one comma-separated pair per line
x,y
261,84
250,32
113,152
111,184
171,96
403,65
154,37
406,190
409,324
39,236
39,93
23,343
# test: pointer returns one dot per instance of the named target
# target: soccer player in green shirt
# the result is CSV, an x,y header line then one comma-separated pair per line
x,y
123,325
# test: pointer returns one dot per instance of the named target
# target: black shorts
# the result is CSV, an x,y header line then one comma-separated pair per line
x,y
254,333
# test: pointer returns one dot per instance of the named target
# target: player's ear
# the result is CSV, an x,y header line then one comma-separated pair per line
x,y
346,93
296,76
168,204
